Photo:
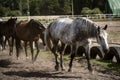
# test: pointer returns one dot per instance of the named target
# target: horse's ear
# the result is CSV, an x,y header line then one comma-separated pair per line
x,y
105,27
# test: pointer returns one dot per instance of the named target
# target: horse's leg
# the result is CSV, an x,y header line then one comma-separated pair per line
x,y
61,55
31,46
87,54
42,38
2,42
11,43
17,47
25,47
73,51
38,50
55,46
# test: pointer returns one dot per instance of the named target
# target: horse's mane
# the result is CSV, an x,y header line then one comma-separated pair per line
x,y
86,26
39,23
85,20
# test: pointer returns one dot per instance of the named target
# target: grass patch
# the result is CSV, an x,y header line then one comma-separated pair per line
x,y
108,66
105,66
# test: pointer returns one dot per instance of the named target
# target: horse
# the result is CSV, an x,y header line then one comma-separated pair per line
x,y
74,32
7,30
29,31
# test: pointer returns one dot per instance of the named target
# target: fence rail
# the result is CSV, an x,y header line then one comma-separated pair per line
x,y
52,17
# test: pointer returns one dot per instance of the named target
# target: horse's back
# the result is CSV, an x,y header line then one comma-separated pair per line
x,y
68,30
22,24
28,30
21,30
60,29
60,25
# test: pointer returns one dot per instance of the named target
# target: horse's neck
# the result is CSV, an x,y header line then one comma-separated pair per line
x,y
8,22
93,32
3,22
88,31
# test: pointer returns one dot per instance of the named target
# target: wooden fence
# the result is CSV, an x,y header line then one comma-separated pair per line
x,y
52,17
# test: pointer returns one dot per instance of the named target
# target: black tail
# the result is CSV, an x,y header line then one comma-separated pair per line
x,y
47,38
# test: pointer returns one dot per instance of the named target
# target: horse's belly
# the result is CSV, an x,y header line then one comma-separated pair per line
x,y
28,37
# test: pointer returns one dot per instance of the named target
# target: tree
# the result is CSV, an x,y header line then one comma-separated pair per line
x,y
96,11
35,7
11,4
49,7
3,11
91,4
65,7
86,10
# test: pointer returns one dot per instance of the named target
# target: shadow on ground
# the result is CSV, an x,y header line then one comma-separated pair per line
x,y
41,74
5,63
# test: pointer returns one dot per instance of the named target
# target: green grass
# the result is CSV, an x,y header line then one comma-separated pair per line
x,y
109,66
105,66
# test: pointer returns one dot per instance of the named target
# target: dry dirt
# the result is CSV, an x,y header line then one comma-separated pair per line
x,y
43,69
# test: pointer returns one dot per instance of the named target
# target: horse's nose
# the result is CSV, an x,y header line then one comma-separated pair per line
x,y
106,50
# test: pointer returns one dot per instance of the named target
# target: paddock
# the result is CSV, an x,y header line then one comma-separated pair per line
x,y
42,69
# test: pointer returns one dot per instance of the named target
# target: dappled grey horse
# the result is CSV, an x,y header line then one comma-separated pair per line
x,y
77,32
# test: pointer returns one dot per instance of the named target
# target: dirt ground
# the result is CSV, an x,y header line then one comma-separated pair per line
x,y
43,69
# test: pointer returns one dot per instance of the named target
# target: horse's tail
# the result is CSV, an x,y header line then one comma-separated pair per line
x,y
47,38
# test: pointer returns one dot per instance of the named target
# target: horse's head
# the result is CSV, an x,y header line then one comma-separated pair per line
x,y
102,38
12,21
10,24
37,25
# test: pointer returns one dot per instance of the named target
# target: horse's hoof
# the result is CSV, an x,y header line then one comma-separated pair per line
x,y
63,69
17,58
10,54
92,72
69,70
27,57
33,62
56,68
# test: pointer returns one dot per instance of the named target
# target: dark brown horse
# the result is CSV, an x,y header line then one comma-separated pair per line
x,y
7,30
29,31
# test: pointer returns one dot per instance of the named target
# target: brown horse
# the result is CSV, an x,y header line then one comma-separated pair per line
x,y
29,31
7,30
